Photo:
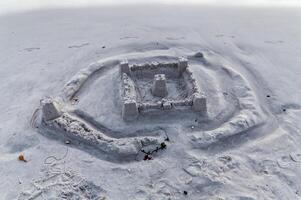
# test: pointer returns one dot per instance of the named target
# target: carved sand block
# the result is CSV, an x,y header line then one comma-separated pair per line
x,y
159,85
199,103
50,109
129,110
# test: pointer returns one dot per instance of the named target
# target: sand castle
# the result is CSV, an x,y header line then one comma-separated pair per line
x,y
159,87
128,106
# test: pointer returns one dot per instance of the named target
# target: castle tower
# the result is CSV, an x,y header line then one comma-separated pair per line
x,y
50,109
124,67
182,65
129,110
159,88
199,103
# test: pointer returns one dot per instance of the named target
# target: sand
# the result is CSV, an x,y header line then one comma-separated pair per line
x,y
245,60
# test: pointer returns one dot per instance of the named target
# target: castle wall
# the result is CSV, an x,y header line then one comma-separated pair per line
x,y
132,106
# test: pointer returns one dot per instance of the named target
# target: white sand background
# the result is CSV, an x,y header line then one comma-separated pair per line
x,y
9,6
262,38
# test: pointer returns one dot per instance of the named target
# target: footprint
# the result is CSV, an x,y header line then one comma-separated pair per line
x,y
32,49
219,35
273,41
296,156
185,178
129,37
175,38
291,106
193,170
19,142
225,159
284,162
62,183
268,167
78,46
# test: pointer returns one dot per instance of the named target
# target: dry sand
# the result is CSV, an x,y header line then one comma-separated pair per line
x,y
246,147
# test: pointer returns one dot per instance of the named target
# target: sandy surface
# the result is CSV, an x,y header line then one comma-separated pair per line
x,y
252,52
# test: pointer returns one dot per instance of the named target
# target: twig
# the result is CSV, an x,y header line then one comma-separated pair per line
x,y
55,158
148,153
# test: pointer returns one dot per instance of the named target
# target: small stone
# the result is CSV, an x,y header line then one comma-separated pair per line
x,y
185,192
147,157
22,158
67,142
